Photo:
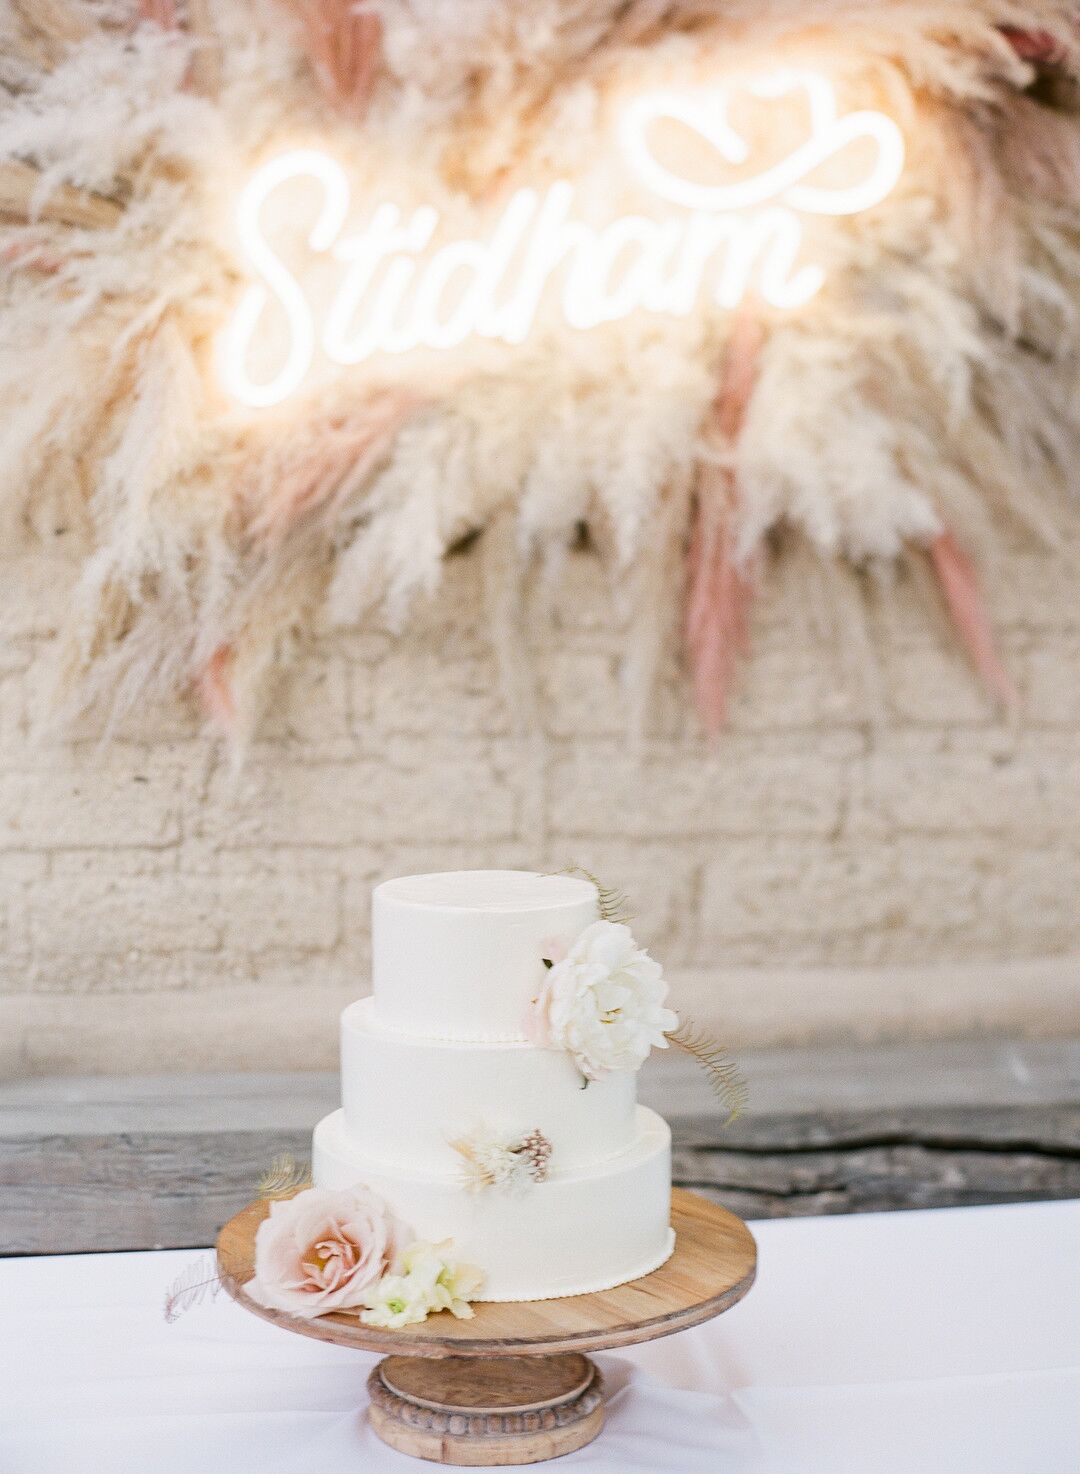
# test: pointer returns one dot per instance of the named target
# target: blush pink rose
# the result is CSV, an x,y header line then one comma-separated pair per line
x,y
321,1250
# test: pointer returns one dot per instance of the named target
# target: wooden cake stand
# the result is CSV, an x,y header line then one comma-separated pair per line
x,y
513,1385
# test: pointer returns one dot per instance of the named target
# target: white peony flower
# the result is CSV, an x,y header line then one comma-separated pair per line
x,y
603,1001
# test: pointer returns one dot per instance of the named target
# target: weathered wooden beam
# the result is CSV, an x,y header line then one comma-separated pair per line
x,y
107,1163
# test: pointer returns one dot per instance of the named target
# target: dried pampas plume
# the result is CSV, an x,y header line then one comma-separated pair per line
x,y
922,404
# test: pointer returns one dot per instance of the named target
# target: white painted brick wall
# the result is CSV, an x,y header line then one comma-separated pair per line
x,y
819,871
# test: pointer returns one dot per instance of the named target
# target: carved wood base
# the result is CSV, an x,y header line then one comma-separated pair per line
x,y
473,1411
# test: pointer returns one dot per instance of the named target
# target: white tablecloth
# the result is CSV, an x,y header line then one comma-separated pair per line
x,y
909,1343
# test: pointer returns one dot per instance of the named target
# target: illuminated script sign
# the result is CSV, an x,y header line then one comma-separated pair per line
x,y
727,212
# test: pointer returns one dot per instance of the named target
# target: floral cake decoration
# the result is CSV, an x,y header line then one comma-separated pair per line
x,y
604,1001
324,1250
320,1251
511,1165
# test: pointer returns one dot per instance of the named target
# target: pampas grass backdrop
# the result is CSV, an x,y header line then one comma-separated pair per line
x,y
925,400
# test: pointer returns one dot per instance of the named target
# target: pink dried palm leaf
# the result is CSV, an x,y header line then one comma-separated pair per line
x,y
1041,48
719,587
160,13
343,41
202,73
30,255
738,375
315,479
720,591
959,584
215,689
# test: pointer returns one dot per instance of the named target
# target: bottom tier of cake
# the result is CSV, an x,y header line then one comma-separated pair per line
x,y
576,1233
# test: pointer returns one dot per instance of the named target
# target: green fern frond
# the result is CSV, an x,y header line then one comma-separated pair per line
x,y
726,1080
611,903
284,1178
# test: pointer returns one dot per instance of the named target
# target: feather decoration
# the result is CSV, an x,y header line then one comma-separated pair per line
x,y
284,1178
959,585
725,1079
197,1283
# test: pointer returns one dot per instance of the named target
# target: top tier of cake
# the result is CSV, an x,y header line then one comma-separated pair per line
x,y
459,955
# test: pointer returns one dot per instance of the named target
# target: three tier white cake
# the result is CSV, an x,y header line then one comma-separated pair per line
x,y
440,1058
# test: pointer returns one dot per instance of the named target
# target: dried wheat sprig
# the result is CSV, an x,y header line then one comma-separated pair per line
x,y
611,903
284,1178
199,1282
725,1078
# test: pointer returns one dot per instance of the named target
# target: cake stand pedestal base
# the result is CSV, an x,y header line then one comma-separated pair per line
x,y
512,1383
502,1410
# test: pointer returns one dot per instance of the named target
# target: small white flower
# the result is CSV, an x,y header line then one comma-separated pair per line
x,y
425,1279
395,1301
603,1001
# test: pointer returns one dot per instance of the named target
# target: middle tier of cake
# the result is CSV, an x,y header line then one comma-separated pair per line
x,y
577,1232
405,1098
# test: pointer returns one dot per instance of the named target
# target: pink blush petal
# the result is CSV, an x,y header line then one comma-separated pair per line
x,y
554,949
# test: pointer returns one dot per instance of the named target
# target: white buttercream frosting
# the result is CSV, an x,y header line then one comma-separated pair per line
x,y
406,1097
460,955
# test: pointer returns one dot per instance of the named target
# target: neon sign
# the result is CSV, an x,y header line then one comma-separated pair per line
x,y
399,285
